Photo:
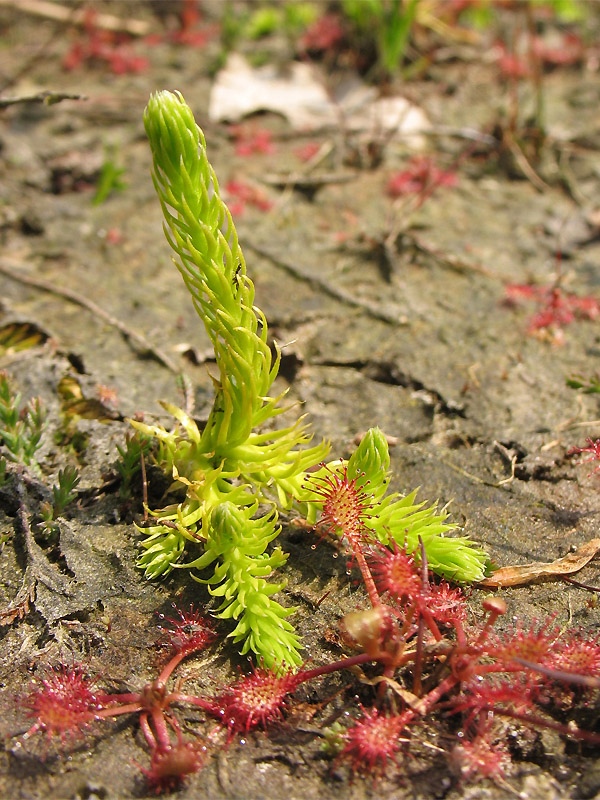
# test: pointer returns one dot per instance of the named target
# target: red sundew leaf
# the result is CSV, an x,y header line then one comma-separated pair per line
x,y
74,57
255,700
246,194
518,692
480,757
170,766
587,307
193,631
514,292
63,702
307,151
533,645
373,740
576,653
420,174
396,573
570,52
447,604
549,317
324,34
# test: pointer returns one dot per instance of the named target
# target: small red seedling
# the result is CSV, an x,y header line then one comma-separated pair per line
x,y
557,308
324,35
250,140
106,48
593,448
242,194
420,176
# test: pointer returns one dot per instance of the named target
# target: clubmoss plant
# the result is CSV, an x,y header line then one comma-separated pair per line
x,y
235,472
230,467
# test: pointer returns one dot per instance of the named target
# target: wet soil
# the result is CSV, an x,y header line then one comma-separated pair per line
x,y
389,316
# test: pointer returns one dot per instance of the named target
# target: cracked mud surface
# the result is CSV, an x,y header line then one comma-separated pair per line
x,y
416,341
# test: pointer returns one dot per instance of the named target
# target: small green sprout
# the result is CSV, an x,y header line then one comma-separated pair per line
x,y
589,385
20,428
390,23
137,446
109,180
63,494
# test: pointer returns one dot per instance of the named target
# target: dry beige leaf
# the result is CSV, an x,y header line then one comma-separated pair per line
x,y
531,573
300,96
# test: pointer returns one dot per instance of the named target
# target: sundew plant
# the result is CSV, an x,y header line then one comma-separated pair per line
x,y
240,470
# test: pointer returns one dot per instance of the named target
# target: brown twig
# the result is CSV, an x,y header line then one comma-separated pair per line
x,y
58,13
325,288
8,267
47,98
525,166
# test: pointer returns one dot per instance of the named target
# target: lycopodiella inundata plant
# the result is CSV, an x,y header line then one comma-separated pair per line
x,y
234,468
230,466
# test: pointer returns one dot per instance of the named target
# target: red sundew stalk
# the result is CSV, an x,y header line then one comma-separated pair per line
x,y
431,623
201,702
418,671
539,722
169,668
366,575
159,724
325,669
427,702
118,710
344,509
147,731
560,675
423,610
